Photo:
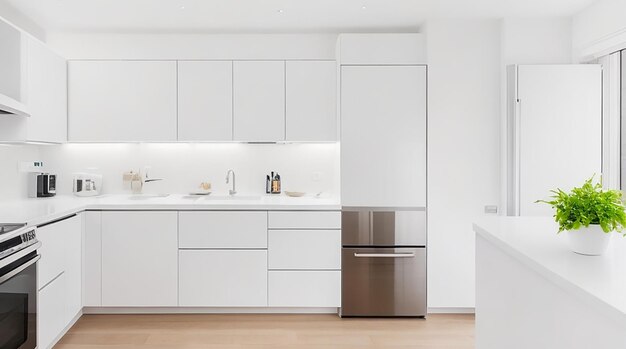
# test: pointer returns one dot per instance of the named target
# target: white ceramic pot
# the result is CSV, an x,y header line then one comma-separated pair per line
x,y
590,241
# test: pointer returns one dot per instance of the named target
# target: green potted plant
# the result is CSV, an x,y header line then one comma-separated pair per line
x,y
589,214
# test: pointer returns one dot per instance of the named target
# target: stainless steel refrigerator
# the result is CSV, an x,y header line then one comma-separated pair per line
x,y
383,185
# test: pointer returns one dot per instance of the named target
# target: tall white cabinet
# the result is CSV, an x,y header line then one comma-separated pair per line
x,y
383,127
554,132
259,100
205,100
122,101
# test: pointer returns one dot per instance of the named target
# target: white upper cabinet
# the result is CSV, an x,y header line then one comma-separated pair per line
x,y
311,91
383,136
122,101
259,101
205,101
47,94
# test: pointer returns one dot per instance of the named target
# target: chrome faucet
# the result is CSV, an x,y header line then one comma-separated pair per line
x,y
231,191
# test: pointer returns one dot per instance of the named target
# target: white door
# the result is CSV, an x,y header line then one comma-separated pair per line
x,y
383,136
205,101
223,278
259,101
122,101
139,259
560,130
47,94
311,91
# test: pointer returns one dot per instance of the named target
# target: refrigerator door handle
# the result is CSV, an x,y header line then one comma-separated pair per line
x,y
384,255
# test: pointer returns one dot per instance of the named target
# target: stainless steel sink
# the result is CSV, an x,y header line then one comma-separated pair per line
x,y
147,196
232,197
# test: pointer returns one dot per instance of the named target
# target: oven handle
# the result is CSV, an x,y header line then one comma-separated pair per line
x,y
384,255
20,254
19,269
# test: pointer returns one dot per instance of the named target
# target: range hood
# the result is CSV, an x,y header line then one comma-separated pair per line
x,y
9,106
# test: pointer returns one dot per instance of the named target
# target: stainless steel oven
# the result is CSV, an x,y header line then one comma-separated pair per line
x,y
383,262
18,287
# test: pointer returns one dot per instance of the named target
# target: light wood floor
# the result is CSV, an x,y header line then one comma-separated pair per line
x,y
268,331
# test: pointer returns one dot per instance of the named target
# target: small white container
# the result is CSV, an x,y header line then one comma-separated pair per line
x,y
589,241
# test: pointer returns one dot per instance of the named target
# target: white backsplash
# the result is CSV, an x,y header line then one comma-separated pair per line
x,y
12,181
303,167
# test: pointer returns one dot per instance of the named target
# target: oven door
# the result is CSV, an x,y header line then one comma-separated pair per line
x,y
383,282
18,302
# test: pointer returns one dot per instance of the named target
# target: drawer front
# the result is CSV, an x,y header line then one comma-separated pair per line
x,y
305,288
222,278
53,248
305,220
304,249
221,229
383,282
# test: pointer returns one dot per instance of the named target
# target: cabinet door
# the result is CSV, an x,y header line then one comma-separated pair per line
x,y
92,259
73,267
383,136
53,249
205,101
51,314
311,90
223,278
122,101
304,249
259,100
139,259
47,94
222,229
304,288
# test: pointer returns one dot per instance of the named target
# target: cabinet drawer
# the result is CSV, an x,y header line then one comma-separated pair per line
x,y
304,249
53,249
305,220
305,288
222,278
51,315
222,229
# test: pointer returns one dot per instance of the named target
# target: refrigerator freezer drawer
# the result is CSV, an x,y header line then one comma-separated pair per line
x,y
367,227
383,282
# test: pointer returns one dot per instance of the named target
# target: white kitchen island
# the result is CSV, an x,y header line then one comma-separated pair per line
x,y
533,292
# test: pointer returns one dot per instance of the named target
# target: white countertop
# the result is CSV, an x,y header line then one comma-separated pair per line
x,y
42,210
601,280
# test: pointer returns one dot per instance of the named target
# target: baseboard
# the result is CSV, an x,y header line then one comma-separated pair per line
x,y
206,310
452,310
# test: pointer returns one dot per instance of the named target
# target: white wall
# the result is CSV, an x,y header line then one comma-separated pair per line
x,y
185,165
13,184
599,29
194,46
463,150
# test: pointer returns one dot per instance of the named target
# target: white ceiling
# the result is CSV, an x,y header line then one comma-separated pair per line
x,y
272,15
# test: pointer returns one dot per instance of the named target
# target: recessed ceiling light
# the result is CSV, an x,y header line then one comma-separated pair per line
x,y
281,11
182,7
363,7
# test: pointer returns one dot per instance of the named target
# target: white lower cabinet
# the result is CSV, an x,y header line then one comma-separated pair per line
x,y
304,249
223,278
304,288
51,315
59,278
139,259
